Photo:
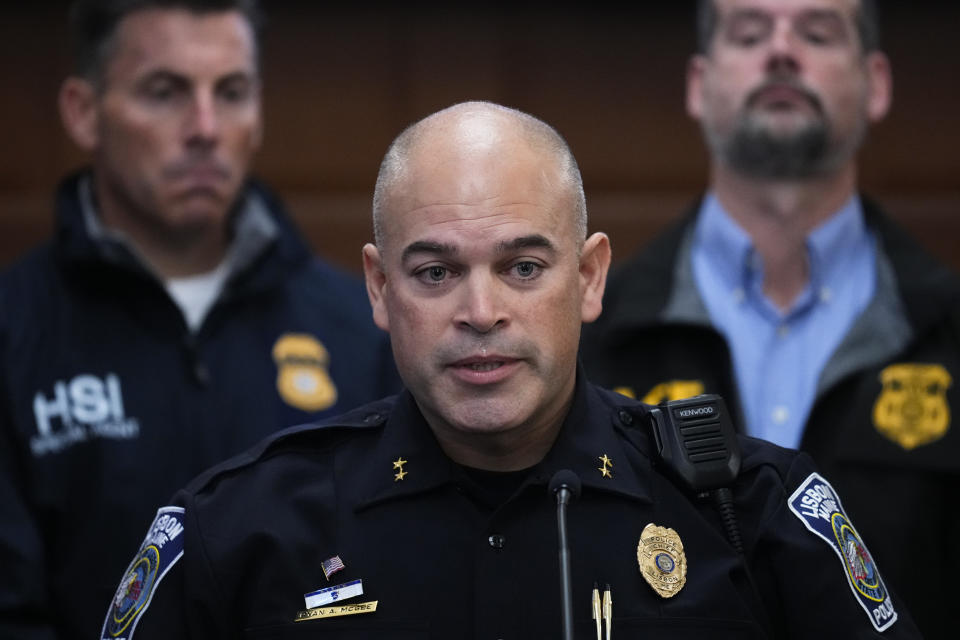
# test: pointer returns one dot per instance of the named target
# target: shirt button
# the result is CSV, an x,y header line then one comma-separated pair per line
x,y
625,418
739,295
825,294
496,541
783,331
780,414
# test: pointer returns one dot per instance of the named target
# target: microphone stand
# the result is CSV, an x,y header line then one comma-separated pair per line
x,y
563,498
566,485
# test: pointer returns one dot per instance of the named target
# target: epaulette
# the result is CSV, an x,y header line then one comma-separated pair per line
x,y
328,431
629,413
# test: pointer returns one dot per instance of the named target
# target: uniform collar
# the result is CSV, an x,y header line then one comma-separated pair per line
x,y
595,431
593,428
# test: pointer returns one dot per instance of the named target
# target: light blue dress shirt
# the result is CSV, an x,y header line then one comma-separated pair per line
x,y
778,356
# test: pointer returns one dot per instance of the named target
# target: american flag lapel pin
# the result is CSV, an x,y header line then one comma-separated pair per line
x,y
331,565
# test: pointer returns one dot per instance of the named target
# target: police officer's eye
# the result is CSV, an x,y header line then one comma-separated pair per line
x,y
526,270
433,274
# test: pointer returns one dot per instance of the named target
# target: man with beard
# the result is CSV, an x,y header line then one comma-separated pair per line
x,y
175,318
792,295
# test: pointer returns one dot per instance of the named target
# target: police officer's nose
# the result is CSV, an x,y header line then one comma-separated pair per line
x,y
481,305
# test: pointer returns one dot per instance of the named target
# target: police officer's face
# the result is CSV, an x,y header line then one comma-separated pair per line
x,y
177,119
789,73
479,284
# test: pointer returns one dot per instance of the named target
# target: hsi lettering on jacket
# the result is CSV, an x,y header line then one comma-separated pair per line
x,y
79,409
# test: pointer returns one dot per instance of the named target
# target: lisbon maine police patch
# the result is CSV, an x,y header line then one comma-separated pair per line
x,y
160,550
818,507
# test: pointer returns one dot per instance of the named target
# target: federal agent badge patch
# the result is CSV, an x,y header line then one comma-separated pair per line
x,y
817,505
673,390
160,550
912,408
303,379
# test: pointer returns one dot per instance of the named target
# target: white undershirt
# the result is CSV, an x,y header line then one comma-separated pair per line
x,y
196,294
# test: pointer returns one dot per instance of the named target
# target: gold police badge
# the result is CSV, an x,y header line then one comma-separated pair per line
x,y
662,561
912,408
302,377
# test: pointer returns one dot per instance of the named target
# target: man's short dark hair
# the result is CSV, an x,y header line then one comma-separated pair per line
x,y
93,24
868,25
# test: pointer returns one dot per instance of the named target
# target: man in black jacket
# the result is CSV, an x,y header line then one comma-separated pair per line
x,y
430,514
175,318
795,297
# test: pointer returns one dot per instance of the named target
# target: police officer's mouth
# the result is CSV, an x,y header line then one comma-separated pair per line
x,y
483,369
482,363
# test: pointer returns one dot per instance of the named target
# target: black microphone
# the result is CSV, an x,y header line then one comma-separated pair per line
x,y
566,486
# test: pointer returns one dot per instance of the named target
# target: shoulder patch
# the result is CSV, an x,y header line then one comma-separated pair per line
x,y
818,506
160,550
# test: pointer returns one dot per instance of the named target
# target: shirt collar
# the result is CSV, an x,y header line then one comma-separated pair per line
x,y
727,248
254,230
829,243
730,253
588,434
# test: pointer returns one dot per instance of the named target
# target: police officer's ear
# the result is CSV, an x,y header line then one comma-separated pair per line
x,y
376,280
78,111
594,264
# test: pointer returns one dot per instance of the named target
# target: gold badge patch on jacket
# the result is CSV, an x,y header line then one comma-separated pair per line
x,y
673,390
663,563
303,379
912,408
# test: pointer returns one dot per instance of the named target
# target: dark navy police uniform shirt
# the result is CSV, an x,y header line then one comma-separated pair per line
x,y
242,551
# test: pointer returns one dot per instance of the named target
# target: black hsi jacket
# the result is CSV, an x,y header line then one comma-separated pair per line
x,y
108,404
881,427
426,554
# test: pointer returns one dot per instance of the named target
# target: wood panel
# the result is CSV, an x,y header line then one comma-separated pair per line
x,y
342,82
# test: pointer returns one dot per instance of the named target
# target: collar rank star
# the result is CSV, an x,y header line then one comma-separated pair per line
x,y
398,464
607,465
662,561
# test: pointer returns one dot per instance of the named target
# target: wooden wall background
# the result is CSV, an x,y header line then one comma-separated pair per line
x,y
341,82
